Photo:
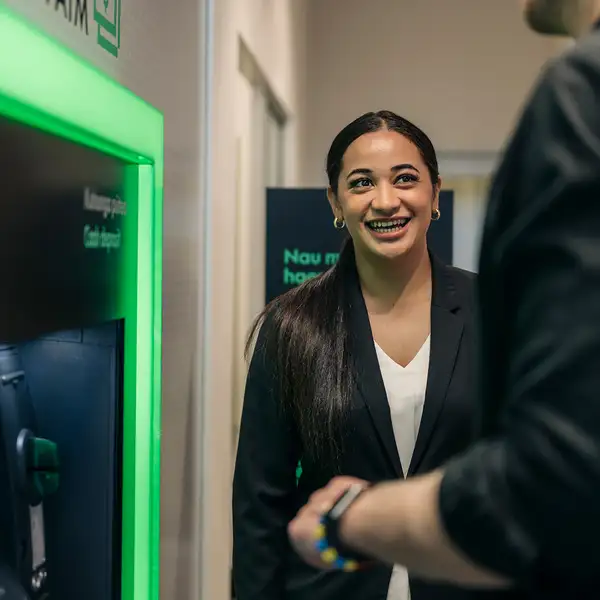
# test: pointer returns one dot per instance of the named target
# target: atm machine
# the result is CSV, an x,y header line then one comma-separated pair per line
x,y
81,175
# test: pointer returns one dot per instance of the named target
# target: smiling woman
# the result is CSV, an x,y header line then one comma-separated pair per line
x,y
386,185
364,370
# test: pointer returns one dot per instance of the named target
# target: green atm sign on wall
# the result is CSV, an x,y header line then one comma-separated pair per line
x,y
107,16
95,18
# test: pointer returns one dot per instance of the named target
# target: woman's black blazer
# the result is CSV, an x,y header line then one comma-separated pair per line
x,y
265,493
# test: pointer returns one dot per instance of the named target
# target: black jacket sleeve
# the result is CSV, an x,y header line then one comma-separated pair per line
x,y
526,501
264,486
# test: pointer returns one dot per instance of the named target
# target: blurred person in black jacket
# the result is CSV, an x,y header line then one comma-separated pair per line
x,y
519,510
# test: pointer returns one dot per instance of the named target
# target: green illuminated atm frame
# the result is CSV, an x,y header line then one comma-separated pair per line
x,y
45,86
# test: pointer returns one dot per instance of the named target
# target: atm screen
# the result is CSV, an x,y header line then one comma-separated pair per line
x,y
63,233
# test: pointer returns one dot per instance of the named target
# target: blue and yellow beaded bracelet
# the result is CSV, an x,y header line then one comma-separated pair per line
x,y
329,555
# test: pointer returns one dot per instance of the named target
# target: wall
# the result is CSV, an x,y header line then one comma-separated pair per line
x,y
273,31
461,70
161,60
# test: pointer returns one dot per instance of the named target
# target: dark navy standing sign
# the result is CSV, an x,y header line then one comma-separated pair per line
x,y
302,242
440,237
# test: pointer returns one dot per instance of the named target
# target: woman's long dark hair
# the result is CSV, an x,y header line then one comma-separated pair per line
x,y
308,340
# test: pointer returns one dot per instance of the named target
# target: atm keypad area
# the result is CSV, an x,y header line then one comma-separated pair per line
x,y
72,382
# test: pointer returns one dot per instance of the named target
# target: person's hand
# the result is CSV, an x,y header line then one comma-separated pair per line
x,y
303,530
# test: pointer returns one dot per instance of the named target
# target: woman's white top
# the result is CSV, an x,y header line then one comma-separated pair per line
x,y
405,388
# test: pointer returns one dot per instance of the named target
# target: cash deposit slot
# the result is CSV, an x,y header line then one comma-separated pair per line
x,y
80,304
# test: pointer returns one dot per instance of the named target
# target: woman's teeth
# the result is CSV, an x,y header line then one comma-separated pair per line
x,y
385,226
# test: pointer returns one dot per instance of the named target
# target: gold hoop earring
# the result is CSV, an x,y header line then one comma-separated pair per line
x,y
339,223
436,214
